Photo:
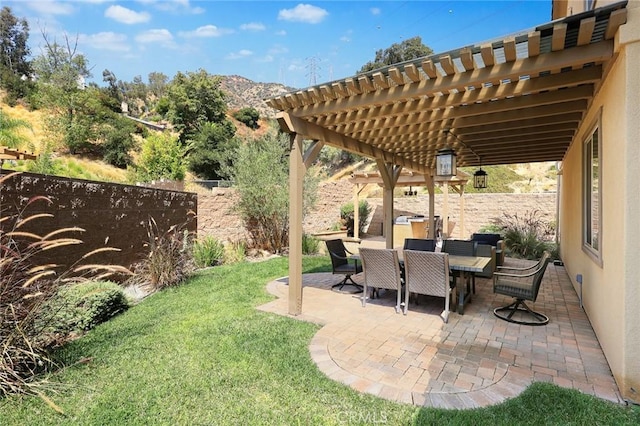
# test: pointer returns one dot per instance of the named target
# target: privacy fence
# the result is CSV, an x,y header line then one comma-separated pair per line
x,y
111,215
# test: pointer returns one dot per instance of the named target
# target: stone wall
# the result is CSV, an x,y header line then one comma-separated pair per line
x,y
112,215
217,217
479,209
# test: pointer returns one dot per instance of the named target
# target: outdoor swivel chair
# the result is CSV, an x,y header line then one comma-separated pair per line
x,y
341,265
522,284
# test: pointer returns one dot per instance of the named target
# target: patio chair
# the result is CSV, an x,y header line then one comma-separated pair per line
x,y
522,284
462,248
341,266
419,244
381,270
428,273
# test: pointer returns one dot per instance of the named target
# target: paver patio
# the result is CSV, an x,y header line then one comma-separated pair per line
x,y
474,360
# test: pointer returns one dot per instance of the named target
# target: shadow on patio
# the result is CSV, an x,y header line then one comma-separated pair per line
x,y
475,360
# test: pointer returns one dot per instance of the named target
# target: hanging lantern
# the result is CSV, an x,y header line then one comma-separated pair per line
x,y
446,162
480,179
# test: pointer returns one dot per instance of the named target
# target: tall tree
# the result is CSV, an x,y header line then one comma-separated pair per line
x,y
193,99
411,48
15,69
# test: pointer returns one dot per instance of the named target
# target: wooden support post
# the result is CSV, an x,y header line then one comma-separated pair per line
x,y
445,210
356,211
389,174
296,184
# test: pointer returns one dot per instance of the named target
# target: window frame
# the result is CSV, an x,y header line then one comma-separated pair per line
x,y
592,228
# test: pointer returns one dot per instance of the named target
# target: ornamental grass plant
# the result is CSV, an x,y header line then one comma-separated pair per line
x,y
27,283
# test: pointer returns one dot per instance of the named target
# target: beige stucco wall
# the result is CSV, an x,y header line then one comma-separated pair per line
x,y
610,288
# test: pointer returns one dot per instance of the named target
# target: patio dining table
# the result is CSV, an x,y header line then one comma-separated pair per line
x,y
460,266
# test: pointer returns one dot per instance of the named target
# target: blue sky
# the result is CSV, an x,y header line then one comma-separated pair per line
x,y
266,41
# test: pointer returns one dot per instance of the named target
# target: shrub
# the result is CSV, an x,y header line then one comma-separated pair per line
x,y
310,244
82,306
26,285
346,214
208,251
169,260
235,252
248,116
527,236
261,178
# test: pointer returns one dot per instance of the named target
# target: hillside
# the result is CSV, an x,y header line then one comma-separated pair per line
x,y
243,93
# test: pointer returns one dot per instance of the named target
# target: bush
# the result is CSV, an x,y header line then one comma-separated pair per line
x,y
208,251
82,306
235,252
310,244
261,178
248,116
170,258
527,236
346,214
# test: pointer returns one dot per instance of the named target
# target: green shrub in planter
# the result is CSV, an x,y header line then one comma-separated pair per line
x,y
208,251
82,306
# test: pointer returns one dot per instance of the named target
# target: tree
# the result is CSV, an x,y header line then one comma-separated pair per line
x,y
411,48
15,69
157,84
162,157
9,131
212,149
260,174
249,116
194,98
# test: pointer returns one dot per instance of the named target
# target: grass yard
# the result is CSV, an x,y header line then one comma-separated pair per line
x,y
201,354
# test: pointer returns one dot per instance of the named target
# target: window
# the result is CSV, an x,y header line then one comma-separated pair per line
x,y
589,4
592,193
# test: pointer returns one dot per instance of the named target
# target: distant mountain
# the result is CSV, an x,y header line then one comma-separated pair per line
x,y
244,93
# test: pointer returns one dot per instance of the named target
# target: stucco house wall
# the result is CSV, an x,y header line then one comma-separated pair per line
x,y
610,290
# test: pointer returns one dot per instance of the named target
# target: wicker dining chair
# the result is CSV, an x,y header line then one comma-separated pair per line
x,y
428,273
381,270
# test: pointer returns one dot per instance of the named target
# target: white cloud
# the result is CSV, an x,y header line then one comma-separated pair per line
x,y
253,26
244,53
51,7
281,33
174,6
106,41
345,39
126,16
303,13
278,50
375,11
155,36
205,32
265,59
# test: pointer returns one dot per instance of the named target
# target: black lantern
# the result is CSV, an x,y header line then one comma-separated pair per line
x,y
480,179
446,162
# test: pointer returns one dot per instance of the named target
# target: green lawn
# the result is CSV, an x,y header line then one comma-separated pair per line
x,y
201,354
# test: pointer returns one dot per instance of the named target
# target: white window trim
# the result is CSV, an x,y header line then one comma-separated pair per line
x,y
593,253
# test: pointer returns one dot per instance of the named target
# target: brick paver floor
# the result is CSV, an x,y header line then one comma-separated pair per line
x,y
474,360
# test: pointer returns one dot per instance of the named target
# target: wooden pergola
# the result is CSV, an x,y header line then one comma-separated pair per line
x,y
517,99
408,178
